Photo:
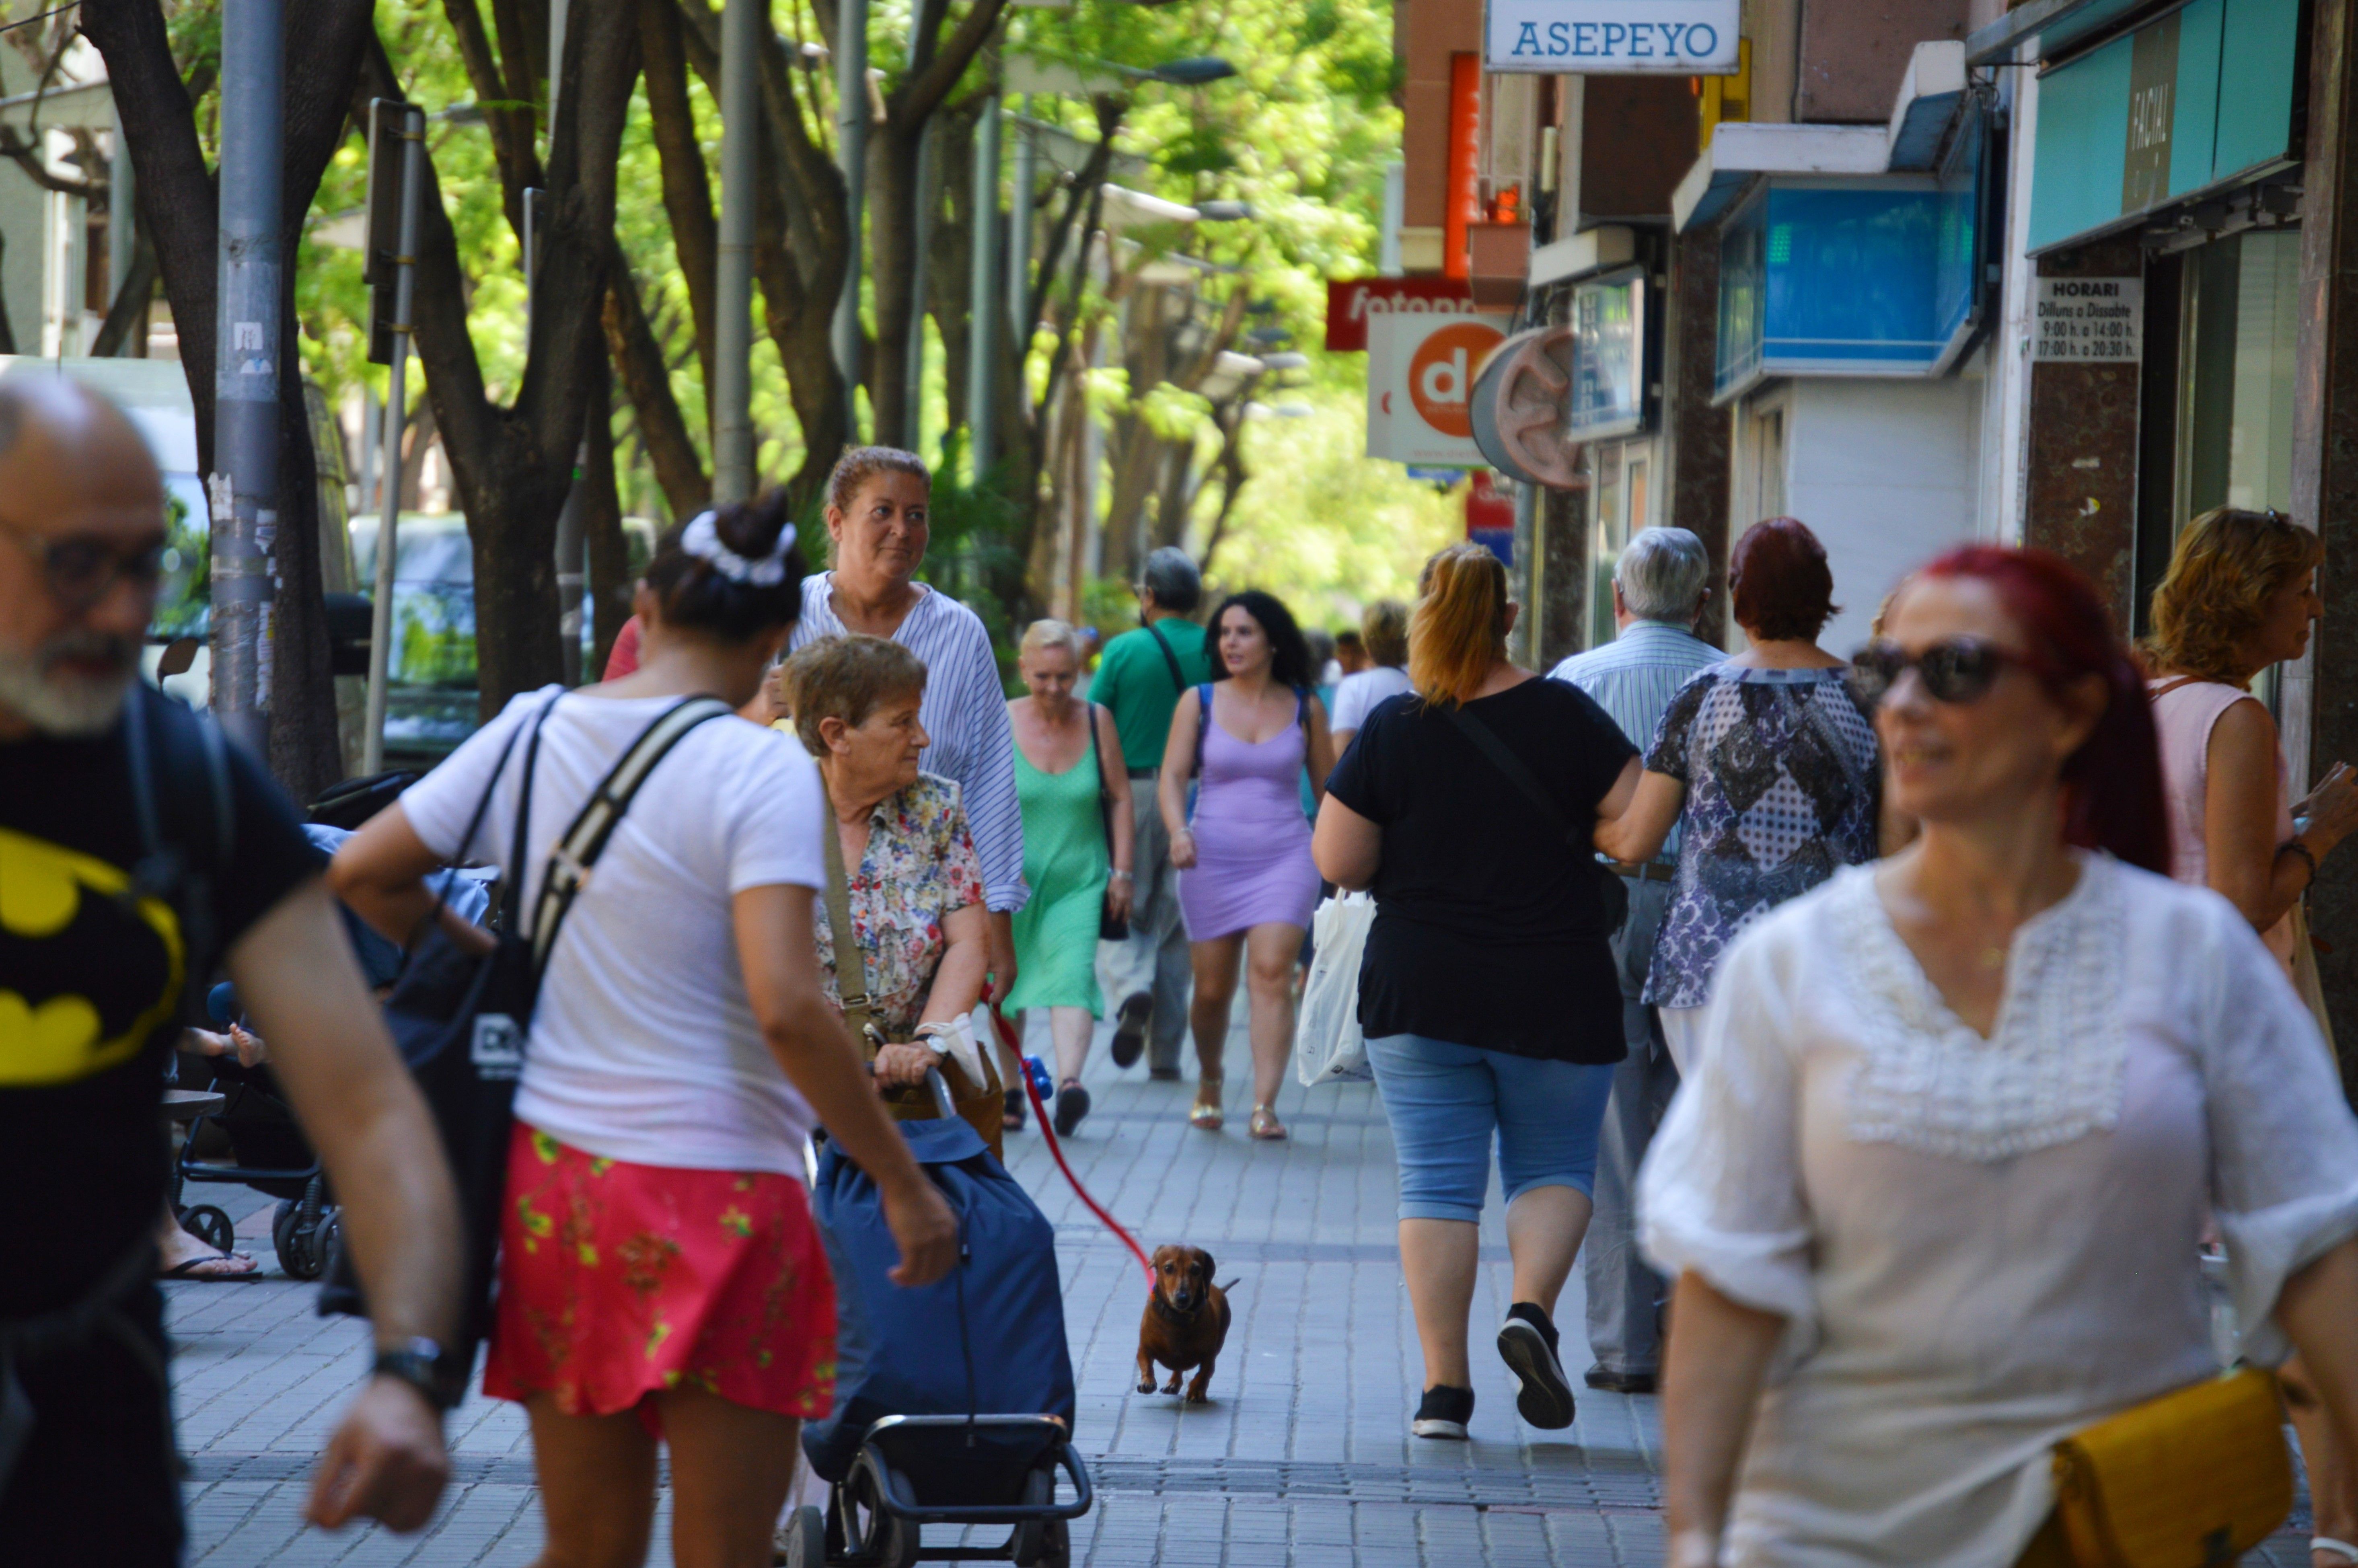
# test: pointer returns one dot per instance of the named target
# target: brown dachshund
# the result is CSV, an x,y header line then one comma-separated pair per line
x,y
1185,1324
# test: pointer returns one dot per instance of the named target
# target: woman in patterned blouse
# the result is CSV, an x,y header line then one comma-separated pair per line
x,y
916,883
1768,762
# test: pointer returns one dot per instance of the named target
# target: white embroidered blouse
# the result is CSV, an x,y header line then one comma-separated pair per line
x,y
1980,1246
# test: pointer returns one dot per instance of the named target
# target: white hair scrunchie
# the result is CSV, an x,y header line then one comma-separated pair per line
x,y
702,539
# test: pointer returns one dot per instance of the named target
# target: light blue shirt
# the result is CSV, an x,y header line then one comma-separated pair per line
x,y
1633,678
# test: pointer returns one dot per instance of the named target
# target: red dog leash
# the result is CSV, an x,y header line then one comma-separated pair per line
x,y
1040,1111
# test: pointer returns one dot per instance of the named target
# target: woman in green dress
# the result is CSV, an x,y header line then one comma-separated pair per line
x,y
1077,829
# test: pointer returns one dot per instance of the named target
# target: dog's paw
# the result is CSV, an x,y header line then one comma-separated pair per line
x,y
1147,1387
1198,1396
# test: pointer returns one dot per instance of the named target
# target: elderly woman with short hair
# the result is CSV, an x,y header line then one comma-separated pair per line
x,y
1383,631
915,886
1077,851
1767,765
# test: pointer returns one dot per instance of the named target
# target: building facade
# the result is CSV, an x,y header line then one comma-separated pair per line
x,y
2068,274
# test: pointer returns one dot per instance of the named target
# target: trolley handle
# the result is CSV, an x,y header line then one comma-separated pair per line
x,y
940,1089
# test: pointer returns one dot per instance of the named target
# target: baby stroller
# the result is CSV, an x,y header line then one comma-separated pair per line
x,y
917,1436
267,1153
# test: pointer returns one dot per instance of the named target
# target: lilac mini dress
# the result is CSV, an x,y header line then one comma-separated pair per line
x,y
1253,843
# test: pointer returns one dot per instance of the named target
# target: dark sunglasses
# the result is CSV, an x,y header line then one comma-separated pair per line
x,y
1955,669
79,571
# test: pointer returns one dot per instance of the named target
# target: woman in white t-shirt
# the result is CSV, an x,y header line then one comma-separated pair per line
x,y
1383,628
660,1274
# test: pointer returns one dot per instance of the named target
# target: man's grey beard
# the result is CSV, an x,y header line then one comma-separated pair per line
x,y
68,705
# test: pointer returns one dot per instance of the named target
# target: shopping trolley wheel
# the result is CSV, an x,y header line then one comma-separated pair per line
x,y
1030,1545
802,1539
210,1226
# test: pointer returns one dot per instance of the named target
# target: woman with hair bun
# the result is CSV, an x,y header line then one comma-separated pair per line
x,y
1246,883
1489,999
1766,763
1934,1190
661,1278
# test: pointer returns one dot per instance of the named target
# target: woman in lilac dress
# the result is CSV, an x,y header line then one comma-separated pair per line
x,y
1246,883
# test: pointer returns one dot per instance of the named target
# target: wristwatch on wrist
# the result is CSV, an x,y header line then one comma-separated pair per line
x,y
423,1366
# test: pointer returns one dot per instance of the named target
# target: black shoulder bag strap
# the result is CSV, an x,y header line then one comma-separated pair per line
x,y
1486,741
1170,659
1582,845
578,849
164,870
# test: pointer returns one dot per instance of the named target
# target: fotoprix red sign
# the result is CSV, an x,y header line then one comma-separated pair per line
x,y
1348,305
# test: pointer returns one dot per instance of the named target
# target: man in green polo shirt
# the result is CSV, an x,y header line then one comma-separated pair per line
x,y
1140,679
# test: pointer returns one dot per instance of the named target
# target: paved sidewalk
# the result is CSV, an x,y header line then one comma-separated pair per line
x,y
1303,1458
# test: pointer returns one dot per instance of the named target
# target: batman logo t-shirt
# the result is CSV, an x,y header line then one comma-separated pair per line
x,y
94,971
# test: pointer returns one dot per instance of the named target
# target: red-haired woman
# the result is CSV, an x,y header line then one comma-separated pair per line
x,y
1933,1192
1768,762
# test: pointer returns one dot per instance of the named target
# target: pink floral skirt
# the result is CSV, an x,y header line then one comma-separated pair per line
x,y
620,1280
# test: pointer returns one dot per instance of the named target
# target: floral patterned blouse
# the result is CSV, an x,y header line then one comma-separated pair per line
x,y
1784,785
919,868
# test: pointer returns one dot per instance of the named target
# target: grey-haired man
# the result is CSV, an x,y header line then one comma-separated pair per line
x,y
1659,588
1140,679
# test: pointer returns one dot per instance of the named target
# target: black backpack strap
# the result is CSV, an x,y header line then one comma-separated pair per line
x,y
165,870
1170,659
577,850
1486,741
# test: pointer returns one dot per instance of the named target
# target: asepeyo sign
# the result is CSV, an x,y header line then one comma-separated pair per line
x,y
1573,37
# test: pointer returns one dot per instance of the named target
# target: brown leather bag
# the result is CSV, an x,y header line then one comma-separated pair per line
x,y
981,1108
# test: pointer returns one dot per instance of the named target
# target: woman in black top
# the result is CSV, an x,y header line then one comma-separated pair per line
x,y
1489,995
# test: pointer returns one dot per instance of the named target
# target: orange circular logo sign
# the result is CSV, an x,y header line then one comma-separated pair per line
x,y
1441,375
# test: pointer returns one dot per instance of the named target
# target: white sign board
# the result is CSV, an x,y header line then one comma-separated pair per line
x,y
2088,321
1618,38
1420,387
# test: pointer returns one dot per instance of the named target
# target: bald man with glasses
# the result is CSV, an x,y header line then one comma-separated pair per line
x,y
136,853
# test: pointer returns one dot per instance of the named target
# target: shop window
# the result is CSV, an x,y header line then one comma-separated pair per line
x,y
1608,531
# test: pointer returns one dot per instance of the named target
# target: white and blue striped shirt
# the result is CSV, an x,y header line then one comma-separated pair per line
x,y
1633,678
965,716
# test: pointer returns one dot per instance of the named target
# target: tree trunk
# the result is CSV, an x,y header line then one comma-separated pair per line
x,y
601,526
893,225
687,192
663,429
514,465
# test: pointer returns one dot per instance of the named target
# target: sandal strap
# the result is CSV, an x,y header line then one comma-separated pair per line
x,y
2341,1549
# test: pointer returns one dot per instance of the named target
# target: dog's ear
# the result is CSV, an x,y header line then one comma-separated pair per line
x,y
1210,1268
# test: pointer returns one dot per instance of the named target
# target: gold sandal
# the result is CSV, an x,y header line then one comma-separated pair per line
x,y
1206,1113
1266,1127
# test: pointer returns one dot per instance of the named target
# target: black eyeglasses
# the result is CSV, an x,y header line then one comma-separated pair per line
x,y
1955,669
81,570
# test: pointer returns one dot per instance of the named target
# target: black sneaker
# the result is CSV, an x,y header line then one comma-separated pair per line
x,y
1129,1022
1600,1378
1072,1104
1527,1343
1443,1412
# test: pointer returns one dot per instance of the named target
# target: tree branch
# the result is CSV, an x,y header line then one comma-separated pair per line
x,y
929,84
687,191
663,430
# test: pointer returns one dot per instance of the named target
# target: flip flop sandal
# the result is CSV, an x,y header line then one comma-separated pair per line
x,y
2341,1549
1206,1113
1266,1127
188,1269
1011,1119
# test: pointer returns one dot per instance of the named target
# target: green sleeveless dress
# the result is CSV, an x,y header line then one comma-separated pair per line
x,y
1065,862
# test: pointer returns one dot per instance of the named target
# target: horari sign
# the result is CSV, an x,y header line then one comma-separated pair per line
x,y
1573,37
2088,321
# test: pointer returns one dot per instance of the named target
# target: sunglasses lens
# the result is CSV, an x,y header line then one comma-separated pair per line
x,y
1958,671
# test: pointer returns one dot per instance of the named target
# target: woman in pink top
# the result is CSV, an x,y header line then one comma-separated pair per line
x,y
2239,596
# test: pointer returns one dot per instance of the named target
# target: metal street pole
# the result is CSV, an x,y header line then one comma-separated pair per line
x,y
1019,241
396,404
914,360
851,147
243,490
983,312
732,347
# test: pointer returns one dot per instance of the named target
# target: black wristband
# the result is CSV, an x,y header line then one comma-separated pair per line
x,y
2295,847
423,1366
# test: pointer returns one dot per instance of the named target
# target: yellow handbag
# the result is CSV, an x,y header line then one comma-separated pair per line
x,y
2192,1479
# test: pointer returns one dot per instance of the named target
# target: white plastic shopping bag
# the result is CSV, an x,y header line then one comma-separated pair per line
x,y
1327,1045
